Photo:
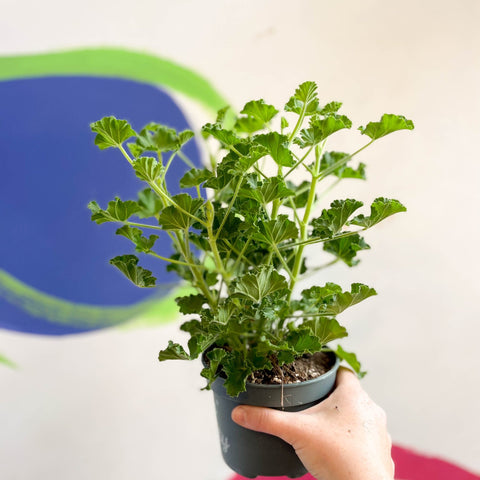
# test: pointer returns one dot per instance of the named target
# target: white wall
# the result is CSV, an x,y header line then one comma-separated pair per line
x,y
99,406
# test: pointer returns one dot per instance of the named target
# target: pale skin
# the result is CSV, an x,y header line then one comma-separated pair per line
x,y
344,437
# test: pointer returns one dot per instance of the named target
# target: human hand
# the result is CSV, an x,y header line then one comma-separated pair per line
x,y
344,437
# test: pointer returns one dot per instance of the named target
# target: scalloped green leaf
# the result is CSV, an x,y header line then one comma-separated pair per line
x,y
277,147
149,203
142,244
195,177
127,264
191,303
259,110
175,218
332,220
304,99
258,284
277,231
147,169
174,351
111,132
117,211
351,359
380,209
326,329
267,191
346,248
389,123
224,136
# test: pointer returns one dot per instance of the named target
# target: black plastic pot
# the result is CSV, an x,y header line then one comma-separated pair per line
x,y
253,454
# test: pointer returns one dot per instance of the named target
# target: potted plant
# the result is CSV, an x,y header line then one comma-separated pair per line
x,y
239,233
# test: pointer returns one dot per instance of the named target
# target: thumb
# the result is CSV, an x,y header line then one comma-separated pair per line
x,y
267,420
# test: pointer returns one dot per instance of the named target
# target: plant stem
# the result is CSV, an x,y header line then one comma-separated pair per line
x,y
304,223
171,260
230,205
342,161
299,162
142,225
311,241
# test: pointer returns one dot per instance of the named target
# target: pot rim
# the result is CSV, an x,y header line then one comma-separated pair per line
x,y
331,371
261,386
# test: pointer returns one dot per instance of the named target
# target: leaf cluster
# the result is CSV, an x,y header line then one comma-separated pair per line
x,y
240,239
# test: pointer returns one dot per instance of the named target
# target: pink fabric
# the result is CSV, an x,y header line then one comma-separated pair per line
x,y
410,465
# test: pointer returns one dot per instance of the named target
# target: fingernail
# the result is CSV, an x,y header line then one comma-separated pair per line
x,y
239,415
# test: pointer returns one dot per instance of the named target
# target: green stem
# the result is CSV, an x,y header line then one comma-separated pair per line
x,y
142,225
229,208
240,254
299,162
187,161
311,241
342,161
304,223
210,214
171,260
182,245
125,154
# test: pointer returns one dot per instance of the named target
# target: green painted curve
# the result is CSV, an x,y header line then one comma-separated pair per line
x,y
57,310
115,63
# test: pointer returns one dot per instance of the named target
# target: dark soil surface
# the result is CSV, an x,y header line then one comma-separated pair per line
x,y
305,368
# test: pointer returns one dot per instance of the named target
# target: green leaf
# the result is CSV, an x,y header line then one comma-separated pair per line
x,y
259,110
258,284
331,108
342,301
389,123
135,149
111,132
226,137
305,99
184,137
351,359
215,358
174,351
149,202
236,372
155,137
321,128
302,192
147,169
329,159
331,301
380,209
303,341
277,147
117,211
165,139
127,264
142,244
248,125
283,123
195,177
191,303
326,329
273,188
278,230
331,221
174,218
346,248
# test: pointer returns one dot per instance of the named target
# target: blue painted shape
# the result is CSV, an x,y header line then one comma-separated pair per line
x,y
51,170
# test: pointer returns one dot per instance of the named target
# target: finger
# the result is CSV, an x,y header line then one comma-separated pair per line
x,y
267,420
346,379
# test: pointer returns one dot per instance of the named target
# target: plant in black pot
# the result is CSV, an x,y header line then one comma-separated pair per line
x,y
239,234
